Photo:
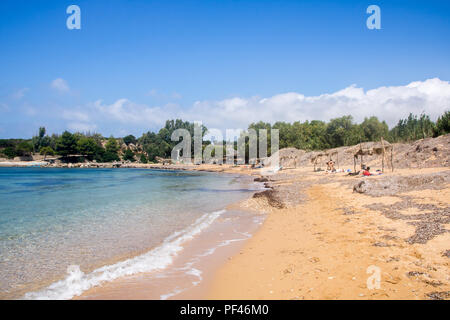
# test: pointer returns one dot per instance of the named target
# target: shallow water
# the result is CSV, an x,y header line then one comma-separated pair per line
x,y
52,219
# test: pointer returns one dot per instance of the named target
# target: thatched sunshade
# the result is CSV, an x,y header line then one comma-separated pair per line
x,y
327,155
378,148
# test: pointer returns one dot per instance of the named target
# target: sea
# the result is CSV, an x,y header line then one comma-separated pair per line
x,y
65,231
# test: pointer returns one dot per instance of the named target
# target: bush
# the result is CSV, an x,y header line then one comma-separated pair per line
x,y
87,147
129,156
143,158
24,149
110,157
66,144
443,124
129,139
9,152
46,151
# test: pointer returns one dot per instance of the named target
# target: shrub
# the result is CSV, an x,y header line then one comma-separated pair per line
x,y
46,151
443,124
87,147
143,158
66,144
128,155
129,139
9,152
24,149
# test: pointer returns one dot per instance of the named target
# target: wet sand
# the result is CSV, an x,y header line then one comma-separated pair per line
x,y
192,270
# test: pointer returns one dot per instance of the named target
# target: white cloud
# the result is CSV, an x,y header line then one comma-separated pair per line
x,y
60,85
152,93
19,94
81,127
387,103
128,112
79,121
176,95
75,115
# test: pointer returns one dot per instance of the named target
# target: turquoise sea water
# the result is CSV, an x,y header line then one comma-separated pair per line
x,y
53,219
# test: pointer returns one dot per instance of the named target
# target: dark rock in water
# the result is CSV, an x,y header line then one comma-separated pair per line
x,y
360,187
261,179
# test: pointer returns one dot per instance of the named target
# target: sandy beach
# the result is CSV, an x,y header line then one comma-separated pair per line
x,y
322,235
321,239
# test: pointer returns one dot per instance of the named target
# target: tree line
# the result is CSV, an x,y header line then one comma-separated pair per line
x,y
308,135
343,131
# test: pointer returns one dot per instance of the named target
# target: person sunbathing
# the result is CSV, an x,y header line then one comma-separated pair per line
x,y
330,166
366,172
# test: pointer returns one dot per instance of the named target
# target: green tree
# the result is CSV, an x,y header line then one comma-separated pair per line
x,y
318,138
143,158
87,147
128,155
373,130
37,140
24,149
66,144
413,128
443,124
111,152
129,139
40,140
342,132
9,152
46,151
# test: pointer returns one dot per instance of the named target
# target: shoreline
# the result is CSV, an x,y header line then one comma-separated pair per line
x,y
319,238
243,186
220,236
192,271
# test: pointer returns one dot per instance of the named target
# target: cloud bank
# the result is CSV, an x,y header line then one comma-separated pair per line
x,y
387,103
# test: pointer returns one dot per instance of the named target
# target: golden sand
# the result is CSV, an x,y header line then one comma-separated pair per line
x,y
315,251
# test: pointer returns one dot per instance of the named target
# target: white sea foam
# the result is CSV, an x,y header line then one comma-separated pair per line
x,y
189,270
171,294
196,273
158,258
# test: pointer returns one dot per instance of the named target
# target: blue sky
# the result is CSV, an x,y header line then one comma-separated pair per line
x,y
133,63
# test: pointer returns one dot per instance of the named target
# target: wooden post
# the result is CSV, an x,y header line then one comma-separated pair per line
x,y
392,156
384,154
337,159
